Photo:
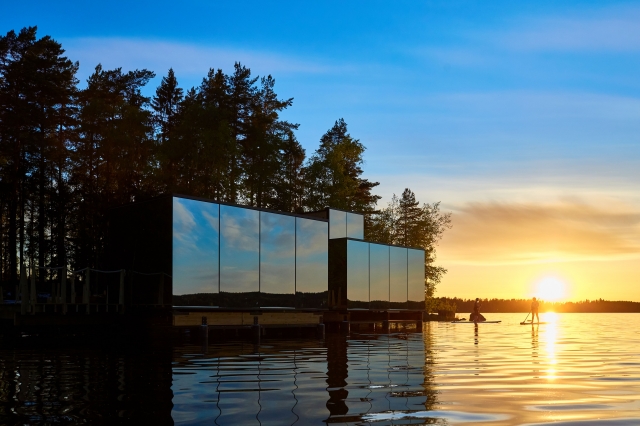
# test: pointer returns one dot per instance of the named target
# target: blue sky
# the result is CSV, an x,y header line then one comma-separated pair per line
x,y
485,107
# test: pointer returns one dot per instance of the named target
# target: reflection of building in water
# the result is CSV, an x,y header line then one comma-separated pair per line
x,y
337,374
110,383
229,256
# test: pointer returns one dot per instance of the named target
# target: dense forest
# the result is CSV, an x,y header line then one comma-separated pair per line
x,y
70,152
465,306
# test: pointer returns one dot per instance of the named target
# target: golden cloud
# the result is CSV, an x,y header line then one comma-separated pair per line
x,y
498,233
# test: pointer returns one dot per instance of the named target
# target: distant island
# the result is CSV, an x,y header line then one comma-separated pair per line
x,y
523,305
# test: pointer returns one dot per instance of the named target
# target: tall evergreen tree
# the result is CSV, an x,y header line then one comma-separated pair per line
x,y
112,155
166,105
38,96
333,173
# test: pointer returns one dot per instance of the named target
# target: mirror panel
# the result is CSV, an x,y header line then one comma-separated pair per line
x,y
398,277
415,279
378,276
195,252
355,226
337,224
277,260
239,257
312,254
358,274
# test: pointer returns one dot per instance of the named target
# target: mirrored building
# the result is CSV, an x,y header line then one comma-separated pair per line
x,y
228,256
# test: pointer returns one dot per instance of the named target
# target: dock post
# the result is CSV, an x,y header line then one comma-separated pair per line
x,y
121,294
204,330
73,290
63,290
255,331
85,289
33,295
161,290
24,290
345,327
320,330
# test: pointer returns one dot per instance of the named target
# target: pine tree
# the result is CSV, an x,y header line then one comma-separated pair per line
x,y
38,94
112,157
333,173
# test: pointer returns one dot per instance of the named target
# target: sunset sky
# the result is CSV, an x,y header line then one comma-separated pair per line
x,y
521,118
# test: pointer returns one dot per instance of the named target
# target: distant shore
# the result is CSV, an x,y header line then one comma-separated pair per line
x,y
524,305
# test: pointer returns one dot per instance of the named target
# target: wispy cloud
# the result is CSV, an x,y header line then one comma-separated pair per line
x,y
186,59
508,233
614,29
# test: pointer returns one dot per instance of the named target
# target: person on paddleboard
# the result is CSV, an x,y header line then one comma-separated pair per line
x,y
476,311
535,306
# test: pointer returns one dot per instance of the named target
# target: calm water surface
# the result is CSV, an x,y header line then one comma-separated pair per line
x,y
576,370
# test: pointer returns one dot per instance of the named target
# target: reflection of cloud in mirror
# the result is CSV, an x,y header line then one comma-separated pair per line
x,y
195,247
239,228
183,220
213,221
277,237
312,237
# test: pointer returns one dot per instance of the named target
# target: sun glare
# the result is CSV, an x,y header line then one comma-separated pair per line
x,y
551,289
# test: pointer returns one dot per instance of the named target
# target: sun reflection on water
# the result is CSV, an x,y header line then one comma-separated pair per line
x,y
551,337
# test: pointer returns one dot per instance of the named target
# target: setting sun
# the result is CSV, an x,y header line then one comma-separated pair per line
x,y
551,289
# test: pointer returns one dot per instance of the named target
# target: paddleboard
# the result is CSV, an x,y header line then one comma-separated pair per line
x,y
471,322
532,323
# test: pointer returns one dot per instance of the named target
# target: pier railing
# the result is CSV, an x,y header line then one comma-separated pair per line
x,y
87,290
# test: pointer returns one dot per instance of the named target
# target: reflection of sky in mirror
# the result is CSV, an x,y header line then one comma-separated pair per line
x,y
312,248
358,271
355,226
195,247
398,273
379,278
415,275
239,245
277,253
337,224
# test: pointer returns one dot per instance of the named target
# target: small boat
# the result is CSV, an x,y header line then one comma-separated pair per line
x,y
479,322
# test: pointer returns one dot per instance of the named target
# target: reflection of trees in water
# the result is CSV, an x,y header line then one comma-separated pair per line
x,y
430,361
106,383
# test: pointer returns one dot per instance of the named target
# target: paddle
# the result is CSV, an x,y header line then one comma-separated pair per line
x,y
525,320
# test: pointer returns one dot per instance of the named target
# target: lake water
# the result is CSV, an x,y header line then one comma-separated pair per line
x,y
577,369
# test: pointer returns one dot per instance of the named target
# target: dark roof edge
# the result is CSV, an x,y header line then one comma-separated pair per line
x,y
206,200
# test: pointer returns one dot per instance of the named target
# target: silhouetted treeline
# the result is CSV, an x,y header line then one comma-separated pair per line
x,y
524,305
69,154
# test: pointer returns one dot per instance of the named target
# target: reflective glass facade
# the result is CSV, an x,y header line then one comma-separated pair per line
x,y
337,224
312,260
358,274
398,277
379,273
239,256
232,256
415,278
196,240
277,259
344,224
391,276
355,226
